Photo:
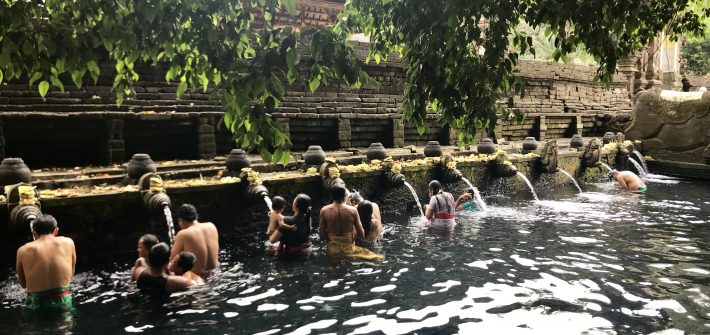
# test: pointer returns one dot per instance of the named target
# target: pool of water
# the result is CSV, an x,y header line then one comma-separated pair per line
x,y
600,262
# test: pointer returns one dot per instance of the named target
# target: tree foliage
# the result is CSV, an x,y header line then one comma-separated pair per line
x,y
229,46
697,57
458,60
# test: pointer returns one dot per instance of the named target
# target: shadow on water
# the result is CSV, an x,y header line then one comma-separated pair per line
x,y
602,261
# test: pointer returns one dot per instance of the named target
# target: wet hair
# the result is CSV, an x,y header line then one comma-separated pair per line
x,y
611,175
186,260
278,203
187,212
303,203
44,224
435,186
149,240
338,193
365,209
356,198
469,190
159,255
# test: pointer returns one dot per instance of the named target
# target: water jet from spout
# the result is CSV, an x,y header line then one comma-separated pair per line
x,y
476,196
641,160
639,168
606,166
529,185
416,198
169,221
267,200
573,180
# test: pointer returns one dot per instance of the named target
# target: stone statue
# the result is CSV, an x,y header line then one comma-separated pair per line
x,y
548,157
672,125
592,153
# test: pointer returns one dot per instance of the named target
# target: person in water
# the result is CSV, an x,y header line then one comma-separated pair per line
x,y
153,279
442,206
276,218
371,225
628,180
45,267
199,238
145,242
339,224
183,265
466,202
295,240
355,200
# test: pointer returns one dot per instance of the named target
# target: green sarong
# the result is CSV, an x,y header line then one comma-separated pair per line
x,y
642,188
57,299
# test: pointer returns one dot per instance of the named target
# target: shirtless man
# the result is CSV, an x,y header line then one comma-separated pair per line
x,y
199,238
339,219
628,180
45,267
182,266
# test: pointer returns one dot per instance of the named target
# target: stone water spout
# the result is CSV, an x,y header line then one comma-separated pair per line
x,y
447,171
592,154
25,203
549,158
393,173
254,189
330,175
503,168
153,192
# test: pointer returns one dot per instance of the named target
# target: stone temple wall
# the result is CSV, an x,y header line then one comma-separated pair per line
x,y
85,127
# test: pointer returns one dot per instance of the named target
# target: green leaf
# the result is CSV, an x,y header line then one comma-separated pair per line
x,y
278,87
313,85
291,76
77,76
290,6
35,77
57,82
43,88
181,87
1,76
292,57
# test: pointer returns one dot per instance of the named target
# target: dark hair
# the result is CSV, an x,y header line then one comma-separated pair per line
x,y
365,209
44,224
469,190
303,203
159,255
435,186
278,203
149,240
187,212
186,260
356,198
338,193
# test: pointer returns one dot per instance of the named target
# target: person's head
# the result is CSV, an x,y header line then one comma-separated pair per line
x,y
277,204
159,255
44,224
187,214
469,190
338,193
612,174
184,262
302,204
434,187
356,198
365,209
146,242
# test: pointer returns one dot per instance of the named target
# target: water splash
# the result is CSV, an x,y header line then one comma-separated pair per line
x,y
606,166
639,168
476,196
573,180
169,221
416,198
529,185
641,160
267,200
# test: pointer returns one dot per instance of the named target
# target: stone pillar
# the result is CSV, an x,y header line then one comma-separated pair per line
x,y
206,143
397,131
114,149
579,125
344,133
543,128
627,67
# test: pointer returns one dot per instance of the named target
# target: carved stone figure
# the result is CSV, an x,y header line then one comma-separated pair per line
x,y
672,125
548,157
592,153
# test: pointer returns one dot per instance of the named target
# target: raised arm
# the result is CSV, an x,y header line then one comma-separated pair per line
x,y
178,246
358,225
20,270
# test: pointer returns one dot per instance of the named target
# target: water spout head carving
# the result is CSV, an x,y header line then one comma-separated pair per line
x,y
25,200
24,214
257,192
153,193
549,157
592,153
502,168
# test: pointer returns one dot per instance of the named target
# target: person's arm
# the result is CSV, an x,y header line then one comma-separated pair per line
x,y
177,283
283,225
138,268
462,198
622,182
358,225
322,230
20,269
73,257
376,214
275,236
178,246
430,208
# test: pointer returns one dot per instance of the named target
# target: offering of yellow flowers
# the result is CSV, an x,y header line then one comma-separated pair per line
x,y
311,171
333,172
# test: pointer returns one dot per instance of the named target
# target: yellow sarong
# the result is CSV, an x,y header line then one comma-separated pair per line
x,y
344,246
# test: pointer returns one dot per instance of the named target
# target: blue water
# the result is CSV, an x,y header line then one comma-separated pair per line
x,y
601,262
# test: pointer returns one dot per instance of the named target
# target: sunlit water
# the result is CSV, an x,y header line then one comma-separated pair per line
x,y
602,262
169,222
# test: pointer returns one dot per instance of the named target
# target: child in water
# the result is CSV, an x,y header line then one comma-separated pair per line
x,y
276,218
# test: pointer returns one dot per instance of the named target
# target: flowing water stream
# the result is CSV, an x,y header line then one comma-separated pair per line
x,y
639,168
606,166
416,197
169,221
573,180
641,160
532,190
476,195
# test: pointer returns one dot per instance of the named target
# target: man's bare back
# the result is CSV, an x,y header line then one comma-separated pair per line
x,y
629,180
339,219
202,239
46,263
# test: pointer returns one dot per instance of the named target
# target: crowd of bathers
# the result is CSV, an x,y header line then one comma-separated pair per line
x,y
348,225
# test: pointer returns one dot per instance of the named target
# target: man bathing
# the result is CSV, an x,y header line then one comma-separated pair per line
x,y
153,279
45,267
182,266
628,180
199,238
